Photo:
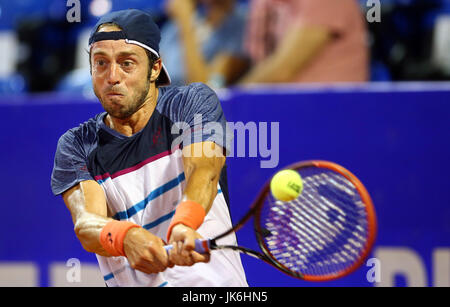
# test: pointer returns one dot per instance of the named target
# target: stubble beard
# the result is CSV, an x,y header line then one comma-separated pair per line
x,y
136,103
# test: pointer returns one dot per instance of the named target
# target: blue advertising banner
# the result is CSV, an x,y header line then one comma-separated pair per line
x,y
395,139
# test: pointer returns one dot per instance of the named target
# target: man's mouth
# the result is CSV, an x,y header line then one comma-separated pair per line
x,y
114,94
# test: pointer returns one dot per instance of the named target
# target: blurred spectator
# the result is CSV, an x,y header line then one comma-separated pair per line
x,y
203,41
47,46
441,46
307,41
403,40
50,52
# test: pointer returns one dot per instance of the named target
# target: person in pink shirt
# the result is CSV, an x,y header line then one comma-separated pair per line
x,y
306,41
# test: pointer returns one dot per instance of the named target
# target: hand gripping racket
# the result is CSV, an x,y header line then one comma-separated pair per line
x,y
325,233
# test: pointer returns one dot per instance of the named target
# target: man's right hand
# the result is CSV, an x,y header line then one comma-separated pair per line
x,y
145,252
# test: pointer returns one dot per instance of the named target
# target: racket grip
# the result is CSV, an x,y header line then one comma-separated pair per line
x,y
202,246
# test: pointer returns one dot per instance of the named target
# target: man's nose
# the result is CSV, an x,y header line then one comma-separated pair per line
x,y
113,74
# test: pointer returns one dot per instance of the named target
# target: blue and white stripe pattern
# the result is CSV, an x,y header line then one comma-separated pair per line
x,y
140,197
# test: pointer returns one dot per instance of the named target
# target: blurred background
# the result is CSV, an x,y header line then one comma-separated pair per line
x,y
383,112
42,51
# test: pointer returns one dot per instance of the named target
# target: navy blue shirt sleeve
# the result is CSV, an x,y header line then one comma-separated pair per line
x,y
204,115
70,165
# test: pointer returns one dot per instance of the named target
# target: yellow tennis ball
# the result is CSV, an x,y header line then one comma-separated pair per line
x,y
286,185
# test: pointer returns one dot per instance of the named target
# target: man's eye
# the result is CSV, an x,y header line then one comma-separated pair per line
x,y
127,63
100,62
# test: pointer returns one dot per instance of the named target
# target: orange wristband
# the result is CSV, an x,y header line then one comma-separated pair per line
x,y
188,213
112,236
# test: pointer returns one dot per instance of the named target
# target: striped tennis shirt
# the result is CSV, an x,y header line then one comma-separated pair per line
x,y
143,180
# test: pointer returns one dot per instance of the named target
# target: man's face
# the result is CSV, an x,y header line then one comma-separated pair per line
x,y
120,76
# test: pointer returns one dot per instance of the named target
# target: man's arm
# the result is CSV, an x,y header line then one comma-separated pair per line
x,y
299,47
203,163
87,204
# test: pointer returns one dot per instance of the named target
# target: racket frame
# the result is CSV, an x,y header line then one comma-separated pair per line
x,y
266,255
365,197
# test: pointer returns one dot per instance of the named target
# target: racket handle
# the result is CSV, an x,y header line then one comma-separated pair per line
x,y
202,246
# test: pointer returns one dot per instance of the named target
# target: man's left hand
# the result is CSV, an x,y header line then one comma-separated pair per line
x,y
183,240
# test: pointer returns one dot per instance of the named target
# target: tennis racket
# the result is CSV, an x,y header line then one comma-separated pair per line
x,y
324,234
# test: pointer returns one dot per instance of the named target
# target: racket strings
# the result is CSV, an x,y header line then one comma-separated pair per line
x,y
321,232
335,234
309,208
293,252
338,216
324,235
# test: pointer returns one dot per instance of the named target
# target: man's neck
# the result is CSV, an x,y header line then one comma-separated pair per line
x,y
138,120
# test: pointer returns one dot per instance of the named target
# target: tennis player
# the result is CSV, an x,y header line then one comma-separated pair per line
x,y
128,189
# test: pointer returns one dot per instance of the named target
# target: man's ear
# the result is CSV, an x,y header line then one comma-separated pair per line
x,y
156,70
